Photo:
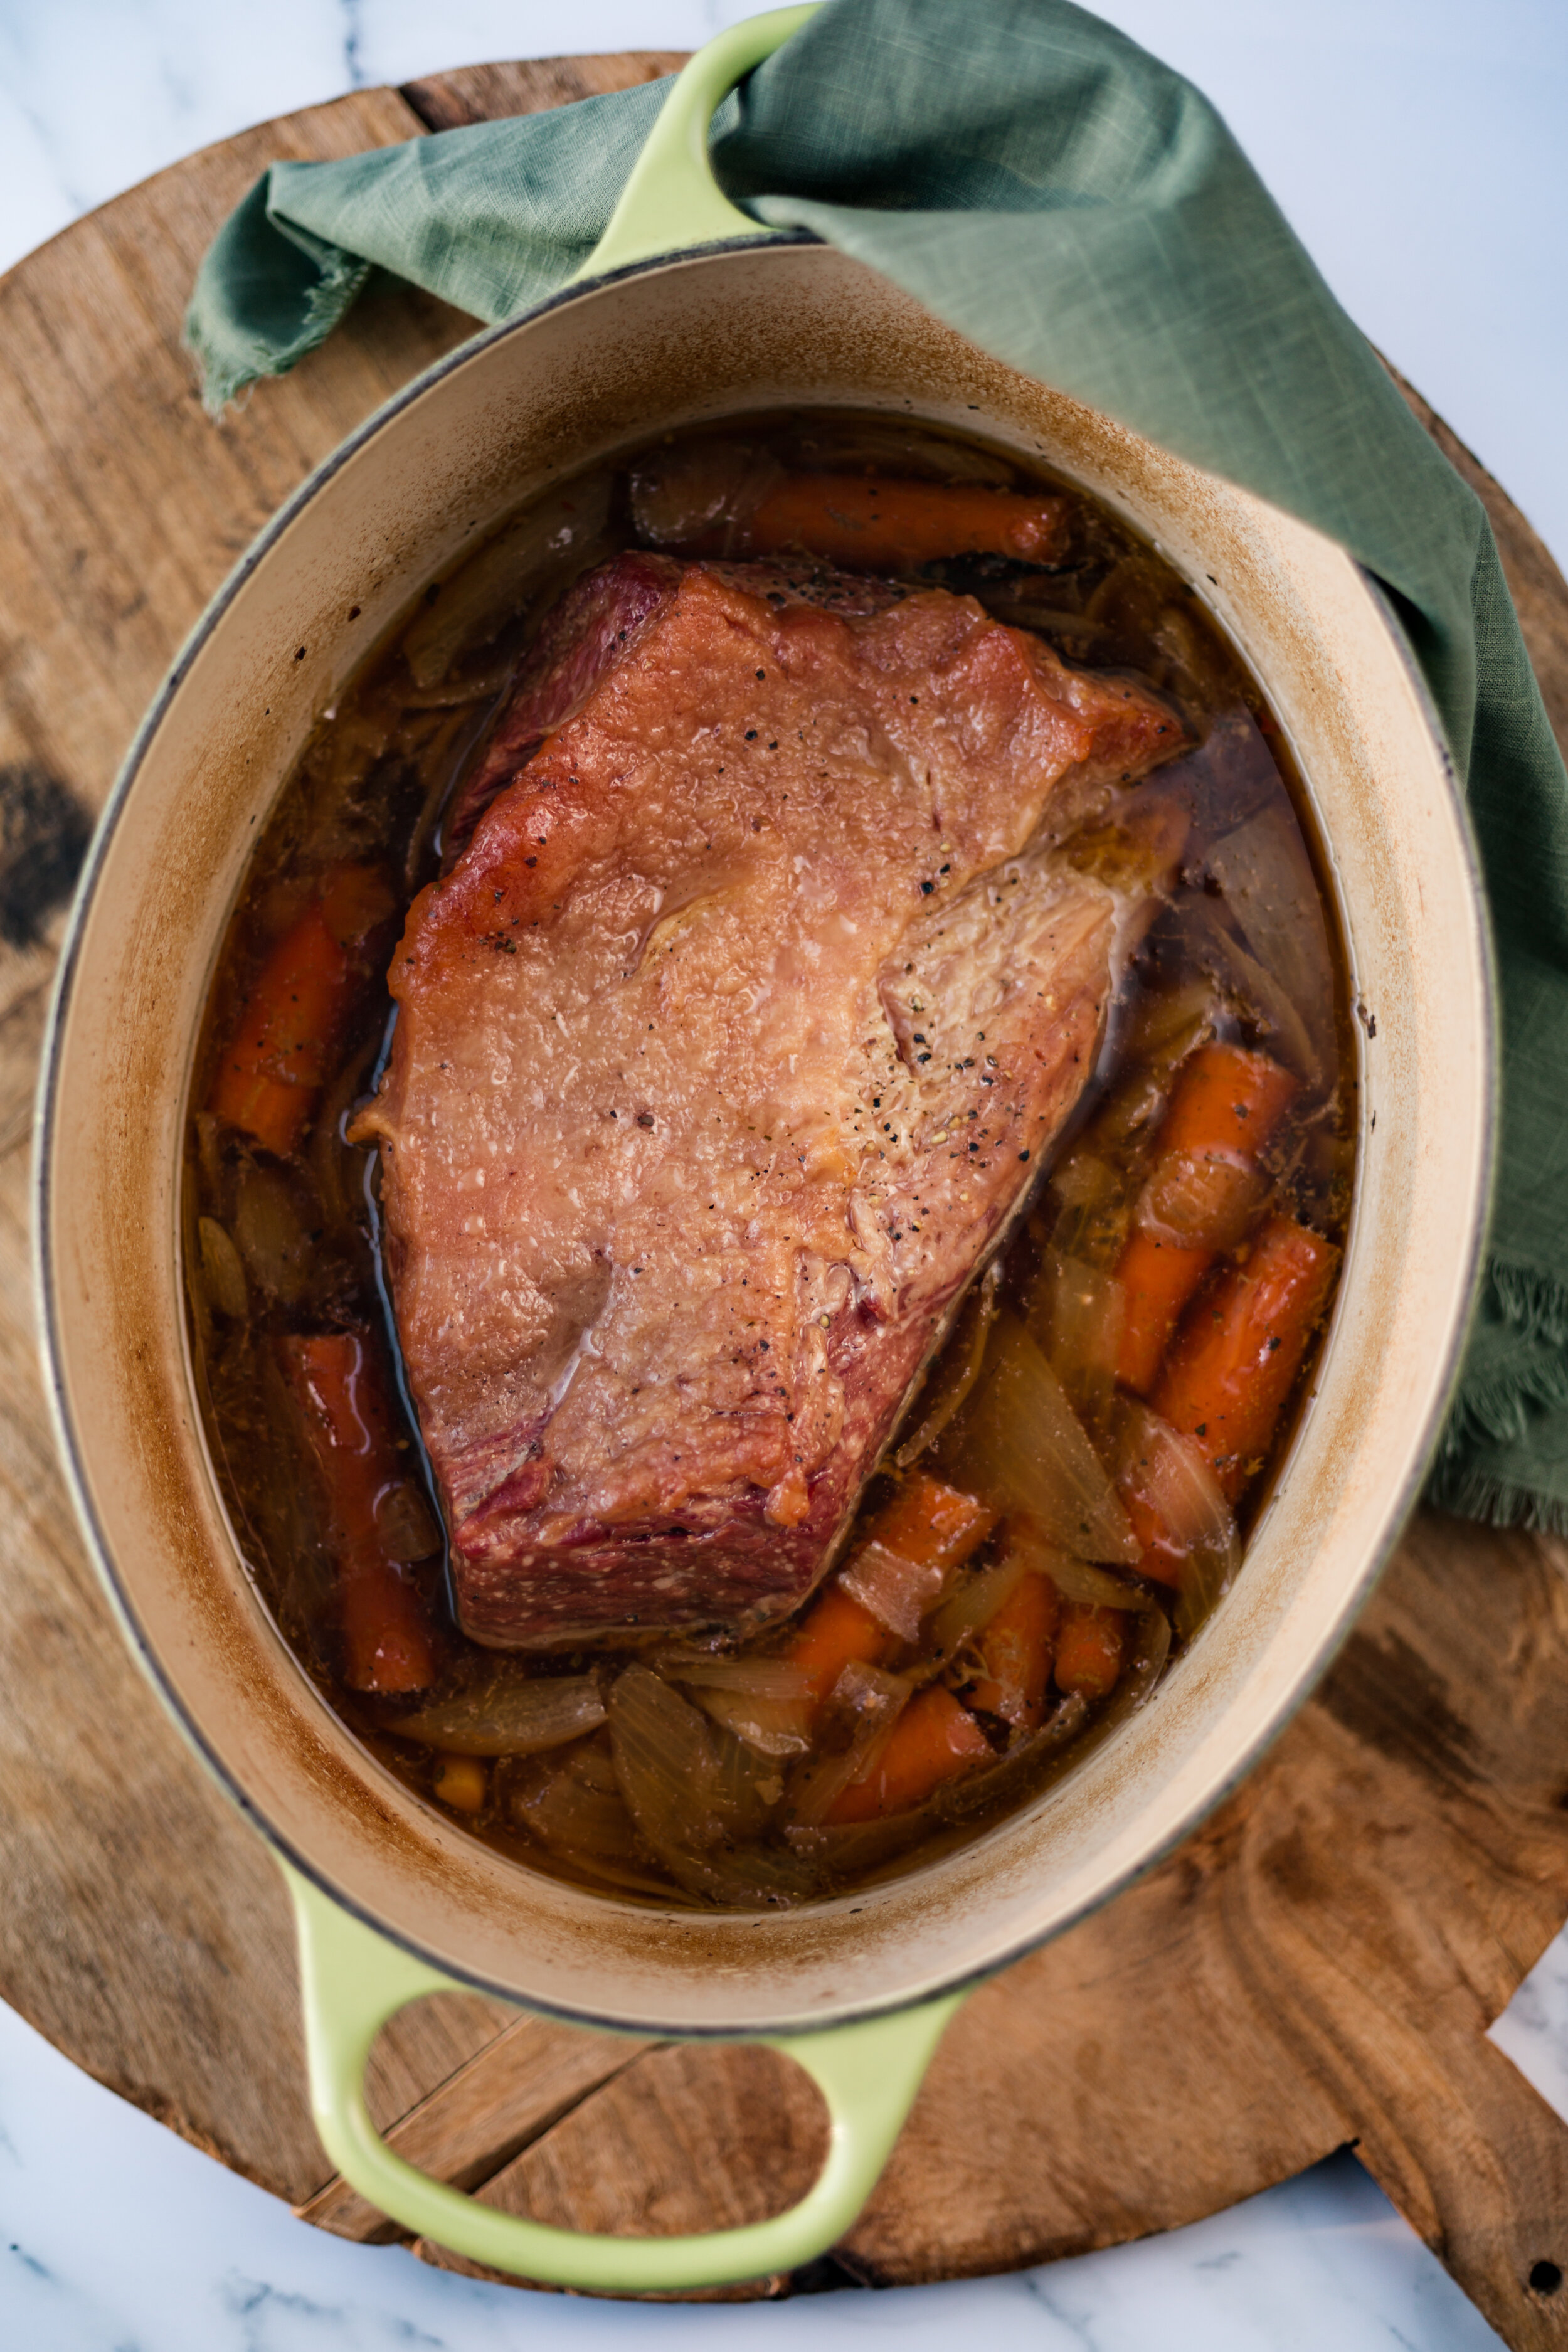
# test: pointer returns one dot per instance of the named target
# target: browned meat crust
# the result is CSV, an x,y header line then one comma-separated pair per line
x,y
723,1054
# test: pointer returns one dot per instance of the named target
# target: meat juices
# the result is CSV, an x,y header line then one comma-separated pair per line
x,y
723,1053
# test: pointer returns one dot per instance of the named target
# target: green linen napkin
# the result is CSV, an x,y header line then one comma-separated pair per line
x,y
1078,209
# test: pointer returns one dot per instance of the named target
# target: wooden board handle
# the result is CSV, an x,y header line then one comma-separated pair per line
x,y
1478,2164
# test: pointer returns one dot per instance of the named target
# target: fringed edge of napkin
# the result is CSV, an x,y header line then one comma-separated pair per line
x,y
1494,1406
322,281
224,377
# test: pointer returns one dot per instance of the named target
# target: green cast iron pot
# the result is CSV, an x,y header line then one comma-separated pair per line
x,y
688,312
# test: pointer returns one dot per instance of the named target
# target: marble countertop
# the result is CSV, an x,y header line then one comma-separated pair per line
x,y
1417,145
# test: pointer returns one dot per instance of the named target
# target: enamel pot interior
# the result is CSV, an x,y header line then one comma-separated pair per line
x,y
723,331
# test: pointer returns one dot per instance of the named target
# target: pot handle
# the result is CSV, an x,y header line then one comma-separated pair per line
x,y
353,1980
672,199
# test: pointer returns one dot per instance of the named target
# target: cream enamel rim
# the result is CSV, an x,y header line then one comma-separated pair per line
x,y
1206,1786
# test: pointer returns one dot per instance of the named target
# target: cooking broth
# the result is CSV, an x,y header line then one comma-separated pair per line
x,y
1067,1496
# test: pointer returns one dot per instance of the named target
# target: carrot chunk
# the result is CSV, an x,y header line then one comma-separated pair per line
x,y
1018,1648
933,1740
1157,1279
836,1633
388,1644
930,1525
273,1070
1227,1101
1227,1105
934,1524
1089,1649
1158,1557
1238,1351
859,520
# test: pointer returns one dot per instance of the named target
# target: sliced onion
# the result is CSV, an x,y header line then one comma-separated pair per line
x,y
404,1523
576,1808
666,1763
1093,1210
221,1270
695,494
974,1792
749,1877
1267,877
971,1609
1084,1181
846,1854
456,693
1164,1471
1177,1481
897,1592
958,1367
746,1786
332,1169
1201,673
1257,990
1075,1310
1199,1201
1153,1050
766,1701
1165,1026
356,742
1204,1583
210,1133
1081,1581
1259,995
1135,600
770,1678
509,1714
773,1726
1122,1126
1150,1650
196,1294
278,1251
610,1871
1074,1579
862,1708
1131,597
475,604
867,1698
1021,1445
1020,612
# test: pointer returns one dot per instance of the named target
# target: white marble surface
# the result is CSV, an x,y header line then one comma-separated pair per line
x,y
116,2238
1418,145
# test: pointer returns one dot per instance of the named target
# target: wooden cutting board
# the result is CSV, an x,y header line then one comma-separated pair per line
x,y
1317,1966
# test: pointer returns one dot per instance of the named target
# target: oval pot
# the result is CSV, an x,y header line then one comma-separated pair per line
x,y
394,1899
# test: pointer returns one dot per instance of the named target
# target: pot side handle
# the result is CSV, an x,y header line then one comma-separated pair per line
x,y
353,1980
672,199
